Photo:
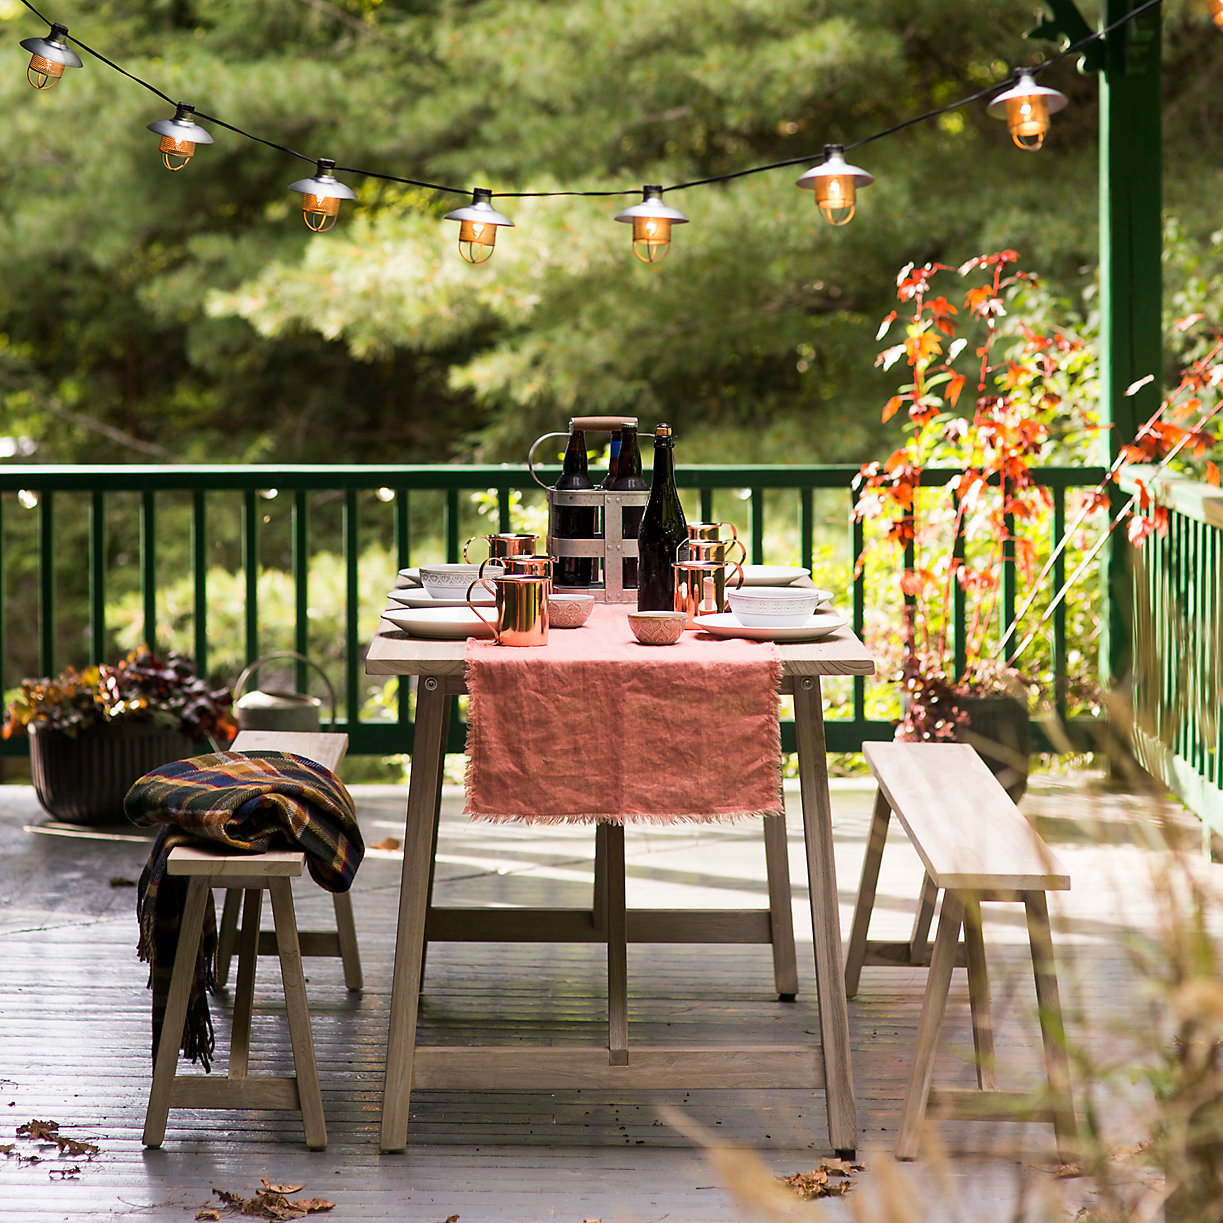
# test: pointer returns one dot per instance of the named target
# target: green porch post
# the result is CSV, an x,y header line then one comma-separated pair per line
x,y
1131,240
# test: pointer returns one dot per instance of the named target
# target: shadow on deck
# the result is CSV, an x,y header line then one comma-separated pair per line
x,y
74,1027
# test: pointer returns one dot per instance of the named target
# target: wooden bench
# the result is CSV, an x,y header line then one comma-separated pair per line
x,y
327,749
975,846
253,874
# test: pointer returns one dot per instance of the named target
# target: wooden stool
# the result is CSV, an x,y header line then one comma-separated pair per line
x,y
327,749
975,846
253,874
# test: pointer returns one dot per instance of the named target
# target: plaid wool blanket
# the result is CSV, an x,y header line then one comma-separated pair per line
x,y
245,801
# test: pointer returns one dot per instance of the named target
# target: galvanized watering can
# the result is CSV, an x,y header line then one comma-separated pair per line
x,y
277,710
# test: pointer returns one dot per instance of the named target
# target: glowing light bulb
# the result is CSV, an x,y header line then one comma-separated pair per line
x,y
835,183
321,196
179,136
1026,107
49,57
651,221
478,224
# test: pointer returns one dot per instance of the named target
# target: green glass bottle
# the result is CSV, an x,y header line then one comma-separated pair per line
x,y
663,537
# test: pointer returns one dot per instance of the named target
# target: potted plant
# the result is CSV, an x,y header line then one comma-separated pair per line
x,y
94,732
958,500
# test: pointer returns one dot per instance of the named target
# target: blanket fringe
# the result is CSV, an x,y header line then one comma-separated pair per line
x,y
720,817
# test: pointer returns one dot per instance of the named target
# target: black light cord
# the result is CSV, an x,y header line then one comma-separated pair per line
x,y
1072,49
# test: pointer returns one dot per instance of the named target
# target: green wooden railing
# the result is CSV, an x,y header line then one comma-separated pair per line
x,y
1178,646
74,540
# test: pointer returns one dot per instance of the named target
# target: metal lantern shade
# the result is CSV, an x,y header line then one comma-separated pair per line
x,y
1026,107
835,184
49,57
651,221
478,223
179,136
321,196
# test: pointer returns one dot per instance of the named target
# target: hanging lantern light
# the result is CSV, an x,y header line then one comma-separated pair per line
x,y
1026,107
321,196
1216,12
179,136
652,221
835,183
478,224
49,57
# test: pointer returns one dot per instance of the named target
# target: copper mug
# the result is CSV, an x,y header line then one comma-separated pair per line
x,y
711,533
507,543
521,608
700,588
537,566
715,550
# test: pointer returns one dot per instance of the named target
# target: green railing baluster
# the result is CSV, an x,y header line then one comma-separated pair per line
x,y
503,509
352,611
46,583
857,536
1009,577
806,528
250,570
959,598
706,503
97,576
453,543
300,560
1061,661
199,578
148,565
403,530
3,609
757,526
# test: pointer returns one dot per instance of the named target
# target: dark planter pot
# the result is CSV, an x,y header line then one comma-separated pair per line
x,y
82,779
1001,731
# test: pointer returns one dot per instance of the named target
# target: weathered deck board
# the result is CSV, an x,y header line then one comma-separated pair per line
x,y
74,1029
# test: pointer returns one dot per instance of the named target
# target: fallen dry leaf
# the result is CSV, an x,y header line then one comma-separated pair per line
x,y
7,1148
389,844
271,1204
47,1130
120,881
830,1179
70,1146
267,1184
208,1213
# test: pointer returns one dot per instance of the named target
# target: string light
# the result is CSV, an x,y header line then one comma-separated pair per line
x,y
1216,12
179,136
1026,107
835,183
321,196
651,221
49,57
478,224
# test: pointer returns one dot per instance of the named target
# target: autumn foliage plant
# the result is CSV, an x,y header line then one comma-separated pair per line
x,y
989,398
140,688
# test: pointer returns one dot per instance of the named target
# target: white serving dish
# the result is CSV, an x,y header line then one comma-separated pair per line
x,y
439,623
411,575
769,606
412,596
727,624
772,575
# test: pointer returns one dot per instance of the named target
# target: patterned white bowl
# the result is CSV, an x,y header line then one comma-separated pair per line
x,y
452,581
775,606
657,627
569,611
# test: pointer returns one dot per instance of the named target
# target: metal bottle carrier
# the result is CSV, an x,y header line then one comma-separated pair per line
x,y
610,547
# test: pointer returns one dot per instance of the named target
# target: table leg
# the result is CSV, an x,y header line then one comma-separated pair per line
x,y
825,913
781,914
423,791
617,946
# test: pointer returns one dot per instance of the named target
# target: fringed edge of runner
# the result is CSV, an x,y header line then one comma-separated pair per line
x,y
704,817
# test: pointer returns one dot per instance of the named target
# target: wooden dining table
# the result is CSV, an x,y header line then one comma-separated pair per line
x,y
439,667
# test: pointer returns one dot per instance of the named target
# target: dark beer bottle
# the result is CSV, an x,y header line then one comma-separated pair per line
x,y
576,521
628,479
663,537
613,463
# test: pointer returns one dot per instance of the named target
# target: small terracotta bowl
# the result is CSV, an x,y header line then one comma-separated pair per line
x,y
657,627
569,611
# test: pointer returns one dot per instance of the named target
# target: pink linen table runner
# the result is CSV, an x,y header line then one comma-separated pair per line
x,y
595,726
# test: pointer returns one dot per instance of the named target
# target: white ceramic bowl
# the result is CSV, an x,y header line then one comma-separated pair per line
x,y
452,581
569,611
775,606
657,627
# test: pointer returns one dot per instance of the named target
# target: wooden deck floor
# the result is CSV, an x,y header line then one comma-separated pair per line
x,y
74,1030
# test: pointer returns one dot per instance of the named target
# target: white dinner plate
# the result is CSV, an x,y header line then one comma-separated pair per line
x,y
411,596
772,575
726,624
411,576
440,623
